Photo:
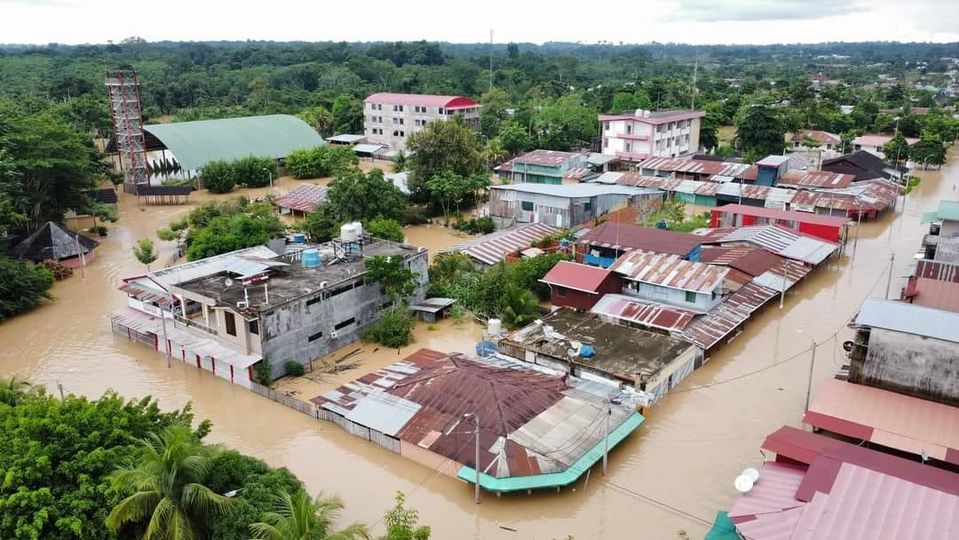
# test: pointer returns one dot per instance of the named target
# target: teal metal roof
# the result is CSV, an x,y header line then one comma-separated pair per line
x,y
197,143
549,480
723,528
949,210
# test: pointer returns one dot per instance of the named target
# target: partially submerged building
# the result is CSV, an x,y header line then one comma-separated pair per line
x,y
545,167
864,165
255,304
829,228
672,280
607,241
389,119
579,286
566,205
906,348
53,241
494,248
303,199
535,429
942,242
776,239
584,345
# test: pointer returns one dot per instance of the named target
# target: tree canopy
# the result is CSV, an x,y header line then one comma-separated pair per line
x,y
447,147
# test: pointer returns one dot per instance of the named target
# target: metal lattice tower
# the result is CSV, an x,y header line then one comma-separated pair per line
x,y
124,90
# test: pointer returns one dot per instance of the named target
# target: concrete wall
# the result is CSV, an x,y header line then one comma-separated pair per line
x,y
286,330
407,121
910,364
949,229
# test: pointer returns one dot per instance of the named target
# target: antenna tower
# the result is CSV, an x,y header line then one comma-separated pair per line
x,y
124,89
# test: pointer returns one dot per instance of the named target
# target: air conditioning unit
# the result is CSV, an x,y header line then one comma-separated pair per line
x,y
333,334
323,284
242,304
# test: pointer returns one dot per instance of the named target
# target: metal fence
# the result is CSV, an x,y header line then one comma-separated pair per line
x,y
304,407
380,439
121,329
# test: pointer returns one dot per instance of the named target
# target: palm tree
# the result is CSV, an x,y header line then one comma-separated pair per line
x,y
169,495
522,307
13,389
494,152
299,517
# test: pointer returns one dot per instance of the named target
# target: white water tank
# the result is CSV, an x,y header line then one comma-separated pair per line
x,y
359,228
495,327
350,232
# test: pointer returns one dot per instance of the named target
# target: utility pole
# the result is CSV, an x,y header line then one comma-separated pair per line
x,y
892,259
60,388
692,105
812,366
476,493
782,292
490,58
609,412
83,259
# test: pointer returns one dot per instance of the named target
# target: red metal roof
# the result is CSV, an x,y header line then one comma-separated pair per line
x,y
304,198
774,491
823,137
626,237
936,294
815,179
549,158
650,314
774,213
580,277
887,418
428,100
752,260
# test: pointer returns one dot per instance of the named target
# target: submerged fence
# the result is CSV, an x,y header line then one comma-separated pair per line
x,y
304,407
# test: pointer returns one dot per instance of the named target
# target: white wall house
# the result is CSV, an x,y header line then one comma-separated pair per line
x,y
389,119
670,279
645,134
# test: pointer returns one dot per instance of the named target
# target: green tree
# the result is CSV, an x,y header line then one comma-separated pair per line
x,y
387,229
514,137
447,270
760,131
170,495
355,195
399,161
144,252
392,273
630,101
219,176
319,118
254,171
495,153
320,225
23,286
403,523
347,114
709,127
320,161
299,517
13,390
230,233
565,124
494,103
929,150
394,328
449,189
897,149
522,307
450,146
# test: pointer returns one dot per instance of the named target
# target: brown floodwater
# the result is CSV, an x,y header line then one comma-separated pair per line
x,y
685,455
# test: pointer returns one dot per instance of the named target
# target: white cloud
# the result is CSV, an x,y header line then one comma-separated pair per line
x,y
762,10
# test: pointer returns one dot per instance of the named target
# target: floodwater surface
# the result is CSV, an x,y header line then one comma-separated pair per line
x,y
674,473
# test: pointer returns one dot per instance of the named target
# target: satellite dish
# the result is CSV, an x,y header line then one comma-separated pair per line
x,y
751,472
848,345
743,483
227,282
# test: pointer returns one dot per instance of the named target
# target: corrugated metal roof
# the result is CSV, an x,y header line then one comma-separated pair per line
x,y
197,143
303,198
786,215
650,314
708,189
573,190
367,148
711,328
547,158
783,242
909,319
576,276
774,491
428,100
346,138
939,270
815,179
669,271
495,247
887,418
625,237
936,294
208,266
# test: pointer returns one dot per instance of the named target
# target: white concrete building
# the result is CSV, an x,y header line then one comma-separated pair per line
x,y
389,119
645,134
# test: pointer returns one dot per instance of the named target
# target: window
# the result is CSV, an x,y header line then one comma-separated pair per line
x,y
606,126
315,336
344,324
402,133
313,300
691,297
527,206
588,206
560,292
629,129
629,147
230,323
255,327
442,110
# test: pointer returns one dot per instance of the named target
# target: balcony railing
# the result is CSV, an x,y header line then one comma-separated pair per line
x,y
193,324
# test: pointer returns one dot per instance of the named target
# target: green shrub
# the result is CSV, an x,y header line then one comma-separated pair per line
x,y
254,171
394,329
387,229
294,369
261,372
218,176
320,161
23,285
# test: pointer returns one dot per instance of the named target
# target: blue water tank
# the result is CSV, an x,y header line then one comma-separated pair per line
x,y
299,238
485,348
587,351
663,224
311,258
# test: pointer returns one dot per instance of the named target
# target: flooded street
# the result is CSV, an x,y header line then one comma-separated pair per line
x,y
672,474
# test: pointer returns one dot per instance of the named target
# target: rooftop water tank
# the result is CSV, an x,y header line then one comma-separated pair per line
x,y
495,327
350,232
299,238
311,258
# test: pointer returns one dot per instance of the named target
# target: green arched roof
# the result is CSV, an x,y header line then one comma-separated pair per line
x,y
197,143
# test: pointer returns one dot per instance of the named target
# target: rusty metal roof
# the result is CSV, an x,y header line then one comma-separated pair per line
x,y
546,158
815,179
783,242
493,248
304,198
711,328
650,314
669,271
626,237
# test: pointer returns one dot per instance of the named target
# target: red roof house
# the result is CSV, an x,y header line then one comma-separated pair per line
x,y
830,228
580,286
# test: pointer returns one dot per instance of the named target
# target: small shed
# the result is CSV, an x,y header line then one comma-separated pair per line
x,y
433,309
53,242
303,199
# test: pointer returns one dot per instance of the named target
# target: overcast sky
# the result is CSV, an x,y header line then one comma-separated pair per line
x,y
629,21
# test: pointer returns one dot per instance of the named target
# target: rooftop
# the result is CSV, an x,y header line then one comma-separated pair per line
x,y
625,353
948,210
574,190
547,158
287,278
773,161
427,100
785,215
908,318
625,237
654,117
886,418
822,137
669,271
53,241
303,198
576,276
650,314
495,247
815,179
781,241
534,431
933,293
